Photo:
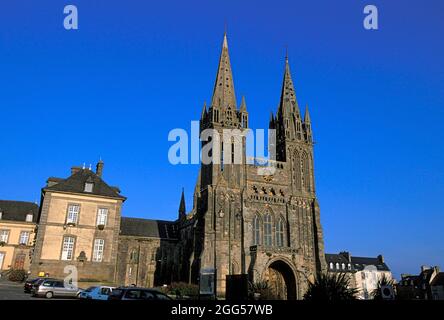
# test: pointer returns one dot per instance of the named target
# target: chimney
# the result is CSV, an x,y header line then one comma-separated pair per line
x,y
381,258
75,169
99,168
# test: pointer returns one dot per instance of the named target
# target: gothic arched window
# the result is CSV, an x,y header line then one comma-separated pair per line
x,y
280,232
256,230
268,238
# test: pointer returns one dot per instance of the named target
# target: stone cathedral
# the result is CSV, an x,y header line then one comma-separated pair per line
x,y
266,226
242,223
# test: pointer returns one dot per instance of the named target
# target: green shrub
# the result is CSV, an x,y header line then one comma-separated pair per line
x,y
330,287
185,289
17,275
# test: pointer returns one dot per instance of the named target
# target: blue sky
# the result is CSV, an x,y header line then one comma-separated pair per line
x,y
137,69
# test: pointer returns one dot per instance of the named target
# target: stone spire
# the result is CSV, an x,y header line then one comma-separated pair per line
x,y
243,106
182,208
271,122
288,103
307,116
307,125
204,111
223,94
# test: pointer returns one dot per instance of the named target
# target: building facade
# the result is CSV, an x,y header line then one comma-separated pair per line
x,y
427,285
78,225
364,272
244,221
17,232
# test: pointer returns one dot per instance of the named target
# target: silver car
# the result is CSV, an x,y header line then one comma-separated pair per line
x,y
54,288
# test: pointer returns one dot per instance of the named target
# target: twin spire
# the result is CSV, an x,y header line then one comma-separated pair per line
x,y
224,95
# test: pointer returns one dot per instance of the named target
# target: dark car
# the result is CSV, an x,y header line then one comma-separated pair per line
x,y
31,282
133,293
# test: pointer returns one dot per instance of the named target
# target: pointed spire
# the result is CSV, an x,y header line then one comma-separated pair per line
x,y
307,125
271,122
243,106
223,94
182,208
307,115
288,103
204,110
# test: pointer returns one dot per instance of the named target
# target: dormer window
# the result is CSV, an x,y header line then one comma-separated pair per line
x,y
29,217
89,186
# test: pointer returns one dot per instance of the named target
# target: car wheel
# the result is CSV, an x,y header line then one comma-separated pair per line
x,y
49,295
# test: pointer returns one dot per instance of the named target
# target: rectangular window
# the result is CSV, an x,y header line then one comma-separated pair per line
x,y
73,213
29,217
68,248
102,217
24,237
4,235
99,245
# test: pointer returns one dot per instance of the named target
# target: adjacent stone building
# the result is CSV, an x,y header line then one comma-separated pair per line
x,y
17,231
78,225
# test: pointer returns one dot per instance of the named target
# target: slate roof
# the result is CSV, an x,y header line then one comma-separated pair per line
x,y
438,280
357,263
76,184
335,258
17,210
148,228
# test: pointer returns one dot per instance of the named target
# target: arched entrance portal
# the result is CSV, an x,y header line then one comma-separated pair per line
x,y
281,280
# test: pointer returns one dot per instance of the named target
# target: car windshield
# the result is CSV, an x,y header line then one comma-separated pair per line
x,y
90,289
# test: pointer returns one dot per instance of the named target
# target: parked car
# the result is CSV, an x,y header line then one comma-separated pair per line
x,y
54,288
133,293
31,282
96,293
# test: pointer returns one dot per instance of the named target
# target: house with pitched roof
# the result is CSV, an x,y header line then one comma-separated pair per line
x,y
364,272
17,230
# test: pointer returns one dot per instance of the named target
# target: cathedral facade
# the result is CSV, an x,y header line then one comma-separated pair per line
x,y
243,222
